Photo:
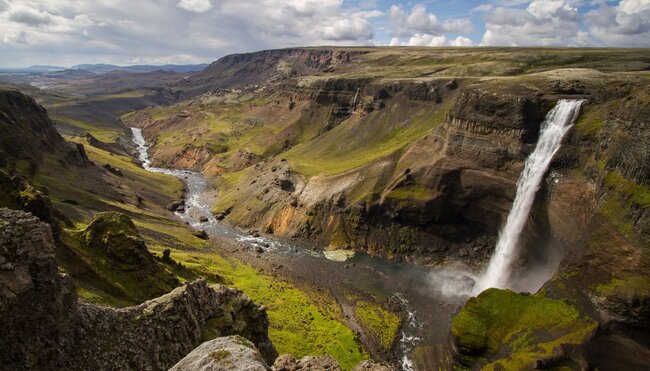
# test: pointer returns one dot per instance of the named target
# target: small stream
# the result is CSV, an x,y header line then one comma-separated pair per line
x,y
422,292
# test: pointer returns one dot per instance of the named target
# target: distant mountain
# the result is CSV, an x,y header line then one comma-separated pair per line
x,y
104,68
32,69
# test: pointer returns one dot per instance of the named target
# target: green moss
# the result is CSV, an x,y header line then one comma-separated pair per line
x,y
340,239
297,325
624,196
630,191
117,268
628,287
379,323
527,326
220,354
590,122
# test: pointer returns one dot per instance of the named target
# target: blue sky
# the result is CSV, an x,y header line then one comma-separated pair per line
x,y
67,32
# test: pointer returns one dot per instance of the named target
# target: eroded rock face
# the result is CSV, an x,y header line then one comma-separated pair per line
x,y
158,332
37,304
26,133
45,327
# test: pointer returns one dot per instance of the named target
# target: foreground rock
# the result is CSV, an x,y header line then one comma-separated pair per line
x,y
232,353
287,362
45,327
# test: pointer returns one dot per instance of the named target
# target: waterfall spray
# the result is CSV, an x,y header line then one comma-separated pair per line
x,y
557,123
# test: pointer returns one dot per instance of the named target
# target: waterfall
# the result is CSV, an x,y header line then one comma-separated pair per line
x,y
555,126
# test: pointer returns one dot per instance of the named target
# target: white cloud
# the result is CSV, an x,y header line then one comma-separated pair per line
x,y
197,6
634,6
627,24
347,29
421,21
67,32
426,40
482,8
541,23
461,41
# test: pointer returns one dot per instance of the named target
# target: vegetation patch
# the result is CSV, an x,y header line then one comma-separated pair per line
x,y
416,192
624,196
297,325
379,323
525,327
630,286
359,141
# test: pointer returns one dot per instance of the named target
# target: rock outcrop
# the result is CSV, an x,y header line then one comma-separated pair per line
x,y
16,193
38,309
46,327
157,333
27,134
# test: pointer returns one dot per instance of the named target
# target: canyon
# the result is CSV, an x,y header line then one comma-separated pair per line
x,y
399,164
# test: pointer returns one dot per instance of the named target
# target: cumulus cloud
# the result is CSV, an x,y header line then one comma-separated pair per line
x,y
197,6
419,20
424,39
541,23
627,24
560,23
461,41
347,29
67,32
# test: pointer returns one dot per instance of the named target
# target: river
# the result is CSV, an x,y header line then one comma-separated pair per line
x,y
428,297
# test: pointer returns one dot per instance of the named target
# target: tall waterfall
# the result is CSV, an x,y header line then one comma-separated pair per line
x,y
555,126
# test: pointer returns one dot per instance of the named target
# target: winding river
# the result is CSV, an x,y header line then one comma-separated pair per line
x,y
428,297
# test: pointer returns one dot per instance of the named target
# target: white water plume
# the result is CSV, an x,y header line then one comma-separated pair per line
x,y
557,123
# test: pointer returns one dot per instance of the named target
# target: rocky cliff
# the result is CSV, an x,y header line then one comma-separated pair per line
x,y
46,327
27,135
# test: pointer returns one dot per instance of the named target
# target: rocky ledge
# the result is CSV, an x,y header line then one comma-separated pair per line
x,y
46,327
235,353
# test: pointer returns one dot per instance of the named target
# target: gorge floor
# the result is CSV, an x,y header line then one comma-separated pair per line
x,y
407,288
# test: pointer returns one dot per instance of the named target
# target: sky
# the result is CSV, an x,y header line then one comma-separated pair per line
x,y
68,32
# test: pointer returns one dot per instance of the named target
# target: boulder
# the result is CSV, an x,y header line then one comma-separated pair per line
x,y
232,353
373,366
287,362
202,234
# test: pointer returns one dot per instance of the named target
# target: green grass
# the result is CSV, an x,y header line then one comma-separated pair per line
x,y
108,280
380,324
359,141
527,326
416,192
105,135
166,184
297,325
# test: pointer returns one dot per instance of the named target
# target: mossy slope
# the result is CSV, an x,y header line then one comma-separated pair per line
x,y
503,329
